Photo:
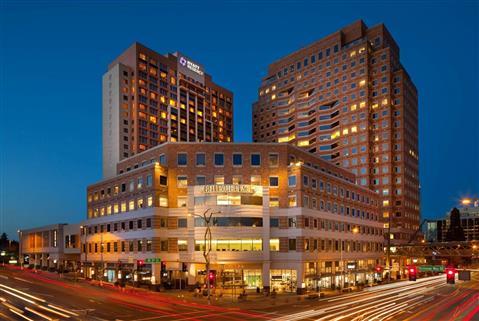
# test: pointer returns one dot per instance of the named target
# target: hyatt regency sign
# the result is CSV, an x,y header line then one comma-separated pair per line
x,y
191,69
228,189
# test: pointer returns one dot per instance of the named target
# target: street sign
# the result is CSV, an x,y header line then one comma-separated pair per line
x,y
153,260
431,268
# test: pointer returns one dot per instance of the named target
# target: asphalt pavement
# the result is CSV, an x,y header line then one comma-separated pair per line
x,y
25,295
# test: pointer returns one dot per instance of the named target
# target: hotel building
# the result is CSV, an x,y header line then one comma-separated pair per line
x,y
283,219
348,99
150,98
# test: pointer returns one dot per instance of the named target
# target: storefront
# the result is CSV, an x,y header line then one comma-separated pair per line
x,y
284,280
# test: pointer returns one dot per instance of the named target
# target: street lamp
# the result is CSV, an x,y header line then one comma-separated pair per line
x,y
206,217
354,230
20,257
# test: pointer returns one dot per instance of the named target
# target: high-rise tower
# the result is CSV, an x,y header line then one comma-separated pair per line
x,y
347,98
150,98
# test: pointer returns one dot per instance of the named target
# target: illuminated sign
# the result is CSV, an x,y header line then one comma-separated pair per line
x,y
191,66
228,189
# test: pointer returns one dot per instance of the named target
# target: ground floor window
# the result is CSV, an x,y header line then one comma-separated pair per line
x,y
283,280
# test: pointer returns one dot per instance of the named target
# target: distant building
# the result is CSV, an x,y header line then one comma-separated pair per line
x,y
53,246
436,231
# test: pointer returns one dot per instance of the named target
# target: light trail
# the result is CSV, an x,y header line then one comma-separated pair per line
x,y
21,315
53,311
63,310
395,293
18,296
38,313
23,293
8,305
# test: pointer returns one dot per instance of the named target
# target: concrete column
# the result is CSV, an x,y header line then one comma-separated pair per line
x,y
301,288
156,272
266,276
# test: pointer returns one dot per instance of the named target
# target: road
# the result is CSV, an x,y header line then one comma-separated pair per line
x,y
29,296
429,299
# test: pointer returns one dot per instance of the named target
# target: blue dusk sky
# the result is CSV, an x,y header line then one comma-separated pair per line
x,y
54,53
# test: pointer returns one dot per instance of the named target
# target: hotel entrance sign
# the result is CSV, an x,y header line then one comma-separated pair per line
x,y
233,188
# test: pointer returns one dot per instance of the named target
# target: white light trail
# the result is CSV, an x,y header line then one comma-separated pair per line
x,y
39,314
23,293
21,315
63,310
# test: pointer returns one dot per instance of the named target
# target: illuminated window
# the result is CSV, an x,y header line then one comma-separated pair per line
x,y
385,202
255,180
362,104
108,210
273,201
163,201
236,179
353,107
131,205
273,97
219,180
274,245
123,206
182,181
181,201
354,129
336,134
303,143
292,201
153,119
149,201
115,208
362,83
139,203
384,102
345,131
352,54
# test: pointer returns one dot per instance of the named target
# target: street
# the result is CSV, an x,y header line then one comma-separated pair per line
x,y
29,296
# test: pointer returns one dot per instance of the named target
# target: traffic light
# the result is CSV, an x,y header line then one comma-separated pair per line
x,y
212,277
184,267
378,269
451,276
140,262
163,267
412,273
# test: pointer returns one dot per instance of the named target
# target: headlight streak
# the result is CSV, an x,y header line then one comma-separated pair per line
x,y
23,293
63,310
21,315
38,313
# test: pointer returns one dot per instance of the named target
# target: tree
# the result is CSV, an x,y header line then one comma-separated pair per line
x,y
4,241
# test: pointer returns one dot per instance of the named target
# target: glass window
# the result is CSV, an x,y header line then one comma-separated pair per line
x,y
292,200
163,201
237,159
255,180
163,180
181,201
149,180
273,181
292,181
163,159
200,180
182,159
219,159
273,160
182,245
219,180
182,181
255,159
200,159
274,245
274,201
182,222
236,179
274,222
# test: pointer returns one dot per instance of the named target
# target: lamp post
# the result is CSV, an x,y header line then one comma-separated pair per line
x,y
20,256
206,217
